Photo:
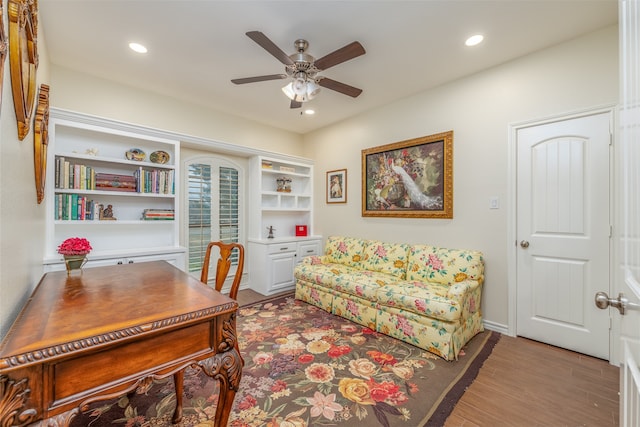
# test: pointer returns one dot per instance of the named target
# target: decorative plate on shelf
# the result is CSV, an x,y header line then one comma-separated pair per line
x,y
135,154
161,157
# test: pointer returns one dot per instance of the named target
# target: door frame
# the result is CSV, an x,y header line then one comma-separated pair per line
x,y
512,237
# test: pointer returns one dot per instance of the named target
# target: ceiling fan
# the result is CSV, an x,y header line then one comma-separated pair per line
x,y
304,69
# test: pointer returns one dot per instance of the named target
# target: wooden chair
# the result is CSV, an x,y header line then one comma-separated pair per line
x,y
223,266
222,270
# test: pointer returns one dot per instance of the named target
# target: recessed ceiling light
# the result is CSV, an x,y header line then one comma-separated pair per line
x,y
474,40
137,47
309,112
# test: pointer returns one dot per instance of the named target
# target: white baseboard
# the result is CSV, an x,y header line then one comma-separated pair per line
x,y
497,327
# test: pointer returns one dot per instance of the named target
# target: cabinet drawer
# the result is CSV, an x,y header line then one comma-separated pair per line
x,y
282,248
308,249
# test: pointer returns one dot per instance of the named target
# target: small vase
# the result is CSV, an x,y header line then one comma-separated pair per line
x,y
74,262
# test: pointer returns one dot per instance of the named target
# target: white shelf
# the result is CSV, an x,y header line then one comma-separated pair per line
x,y
286,210
113,193
96,222
101,159
281,173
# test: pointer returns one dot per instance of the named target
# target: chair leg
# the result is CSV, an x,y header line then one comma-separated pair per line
x,y
178,382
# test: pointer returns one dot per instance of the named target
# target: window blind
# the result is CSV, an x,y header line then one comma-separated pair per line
x,y
212,216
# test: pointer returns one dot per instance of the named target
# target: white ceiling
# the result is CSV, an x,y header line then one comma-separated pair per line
x,y
197,46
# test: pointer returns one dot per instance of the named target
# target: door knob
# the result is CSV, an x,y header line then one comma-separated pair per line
x,y
621,303
524,244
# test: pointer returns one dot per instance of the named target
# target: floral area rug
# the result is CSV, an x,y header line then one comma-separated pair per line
x,y
305,367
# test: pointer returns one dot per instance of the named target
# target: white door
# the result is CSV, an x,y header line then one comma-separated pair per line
x,y
627,300
563,232
628,205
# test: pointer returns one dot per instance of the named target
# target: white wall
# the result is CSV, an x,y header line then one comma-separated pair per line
x,y
21,218
90,95
572,76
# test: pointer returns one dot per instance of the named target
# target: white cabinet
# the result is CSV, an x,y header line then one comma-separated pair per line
x,y
272,262
90,166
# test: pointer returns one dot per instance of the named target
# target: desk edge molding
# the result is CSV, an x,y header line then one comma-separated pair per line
x,y
96,341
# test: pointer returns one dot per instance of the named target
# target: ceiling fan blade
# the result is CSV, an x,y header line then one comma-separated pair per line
x,y
339,87
295,104
259,79
270,47
350,51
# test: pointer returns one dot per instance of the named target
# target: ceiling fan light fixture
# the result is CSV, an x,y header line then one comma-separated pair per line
x,y
312,89
302,68
301,90
290,91
299,86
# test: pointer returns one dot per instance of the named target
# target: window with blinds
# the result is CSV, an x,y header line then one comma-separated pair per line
x,y
214,207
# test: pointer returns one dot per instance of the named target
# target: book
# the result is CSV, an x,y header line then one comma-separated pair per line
x,y
115,182
158,214
65,174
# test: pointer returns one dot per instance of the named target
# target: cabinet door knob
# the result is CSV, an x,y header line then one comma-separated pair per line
x,y
130,261
119,262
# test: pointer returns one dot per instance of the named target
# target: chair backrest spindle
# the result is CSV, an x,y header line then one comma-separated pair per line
x,y
224,265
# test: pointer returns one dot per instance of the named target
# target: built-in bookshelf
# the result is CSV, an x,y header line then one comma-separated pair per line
x,y
282,193
281,221
114,184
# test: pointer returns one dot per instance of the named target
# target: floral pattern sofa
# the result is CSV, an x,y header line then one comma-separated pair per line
x,y
424,295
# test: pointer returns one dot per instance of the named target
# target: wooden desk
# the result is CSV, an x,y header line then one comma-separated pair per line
x,y
102,333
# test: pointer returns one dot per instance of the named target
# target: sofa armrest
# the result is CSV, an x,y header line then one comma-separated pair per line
x,y
468,293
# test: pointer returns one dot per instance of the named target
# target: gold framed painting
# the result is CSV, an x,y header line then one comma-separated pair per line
x,y
337,186
411,179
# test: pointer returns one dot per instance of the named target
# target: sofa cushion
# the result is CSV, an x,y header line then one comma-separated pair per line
x,y
345,250
344,279
444,266
426,299
390,258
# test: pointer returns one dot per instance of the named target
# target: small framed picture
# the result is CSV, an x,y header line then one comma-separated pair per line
x,y
337,186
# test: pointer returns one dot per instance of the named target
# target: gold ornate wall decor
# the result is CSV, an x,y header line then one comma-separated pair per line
x,y
23,59
41,141
3,51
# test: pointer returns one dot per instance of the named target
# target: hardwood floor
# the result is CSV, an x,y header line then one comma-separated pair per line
x,y
525,383
530,384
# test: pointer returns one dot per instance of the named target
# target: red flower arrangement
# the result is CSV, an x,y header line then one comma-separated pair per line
x,y
75,246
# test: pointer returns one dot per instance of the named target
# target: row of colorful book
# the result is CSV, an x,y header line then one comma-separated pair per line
x,y
158,215
82,177
73,176
74,207
157,181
